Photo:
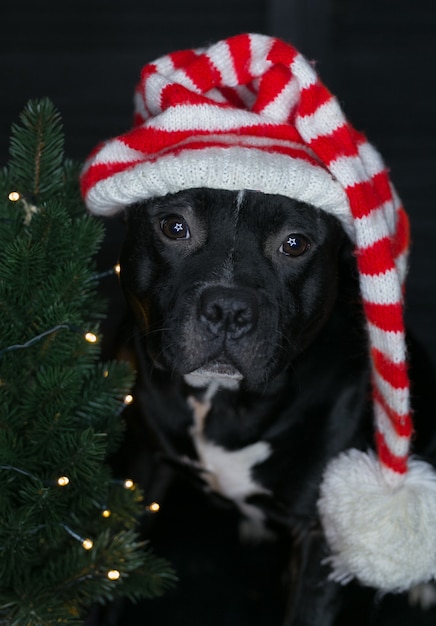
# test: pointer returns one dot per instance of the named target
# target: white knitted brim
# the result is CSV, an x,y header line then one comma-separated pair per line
x,y
232,168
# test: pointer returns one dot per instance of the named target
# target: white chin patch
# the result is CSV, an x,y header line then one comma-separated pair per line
x,y
223,374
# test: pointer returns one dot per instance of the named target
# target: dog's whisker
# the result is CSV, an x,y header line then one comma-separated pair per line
x,y
154,331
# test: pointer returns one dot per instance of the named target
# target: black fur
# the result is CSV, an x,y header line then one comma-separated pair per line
x,y
231,293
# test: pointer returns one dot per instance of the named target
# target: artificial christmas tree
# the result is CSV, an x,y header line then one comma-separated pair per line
x,y
67,527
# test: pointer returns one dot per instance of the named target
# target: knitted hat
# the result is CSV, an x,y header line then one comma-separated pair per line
x,y
250,113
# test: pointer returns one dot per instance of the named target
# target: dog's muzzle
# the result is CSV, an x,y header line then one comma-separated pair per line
x,y
226,315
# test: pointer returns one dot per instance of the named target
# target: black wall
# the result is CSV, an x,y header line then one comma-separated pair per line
x,y
378,56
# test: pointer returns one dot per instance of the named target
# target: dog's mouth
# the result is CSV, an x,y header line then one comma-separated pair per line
x,y
217,370
224,373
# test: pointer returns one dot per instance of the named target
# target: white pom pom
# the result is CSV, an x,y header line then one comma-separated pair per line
x,y
383,536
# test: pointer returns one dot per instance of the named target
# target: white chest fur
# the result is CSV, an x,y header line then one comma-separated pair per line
x,y
229,472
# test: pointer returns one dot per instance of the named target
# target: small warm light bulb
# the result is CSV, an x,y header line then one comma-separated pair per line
x,y
113,574
153,507
117,268
105,373
91,337
129,484
63,481
128,399
14,196
87,544
106,513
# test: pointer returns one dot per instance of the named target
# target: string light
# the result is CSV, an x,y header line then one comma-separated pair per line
x,y
128,399
87,544
29,209
29,343
116,269
62,481
153,507
105,373
91,337
129,484
106,513
19,470
113,574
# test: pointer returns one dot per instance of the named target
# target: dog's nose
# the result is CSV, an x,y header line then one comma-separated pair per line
x,y
225,310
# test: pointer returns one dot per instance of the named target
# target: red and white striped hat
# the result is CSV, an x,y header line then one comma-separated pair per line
x,y
250,112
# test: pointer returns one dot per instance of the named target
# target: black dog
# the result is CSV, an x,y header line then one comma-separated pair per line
x,y
252,373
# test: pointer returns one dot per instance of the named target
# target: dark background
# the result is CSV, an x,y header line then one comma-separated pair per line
x,y
378,56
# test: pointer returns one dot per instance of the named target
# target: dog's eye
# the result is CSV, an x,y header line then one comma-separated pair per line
x,y
175,227
294,245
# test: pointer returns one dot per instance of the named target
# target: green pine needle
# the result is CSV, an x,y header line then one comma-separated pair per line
x,y
37,151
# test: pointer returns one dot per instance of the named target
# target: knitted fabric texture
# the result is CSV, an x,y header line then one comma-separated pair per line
x,y
250,112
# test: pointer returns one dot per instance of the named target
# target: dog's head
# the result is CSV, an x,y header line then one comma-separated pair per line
x,y
227,284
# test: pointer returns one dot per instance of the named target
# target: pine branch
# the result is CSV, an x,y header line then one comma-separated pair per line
x,y
36,150
68,535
